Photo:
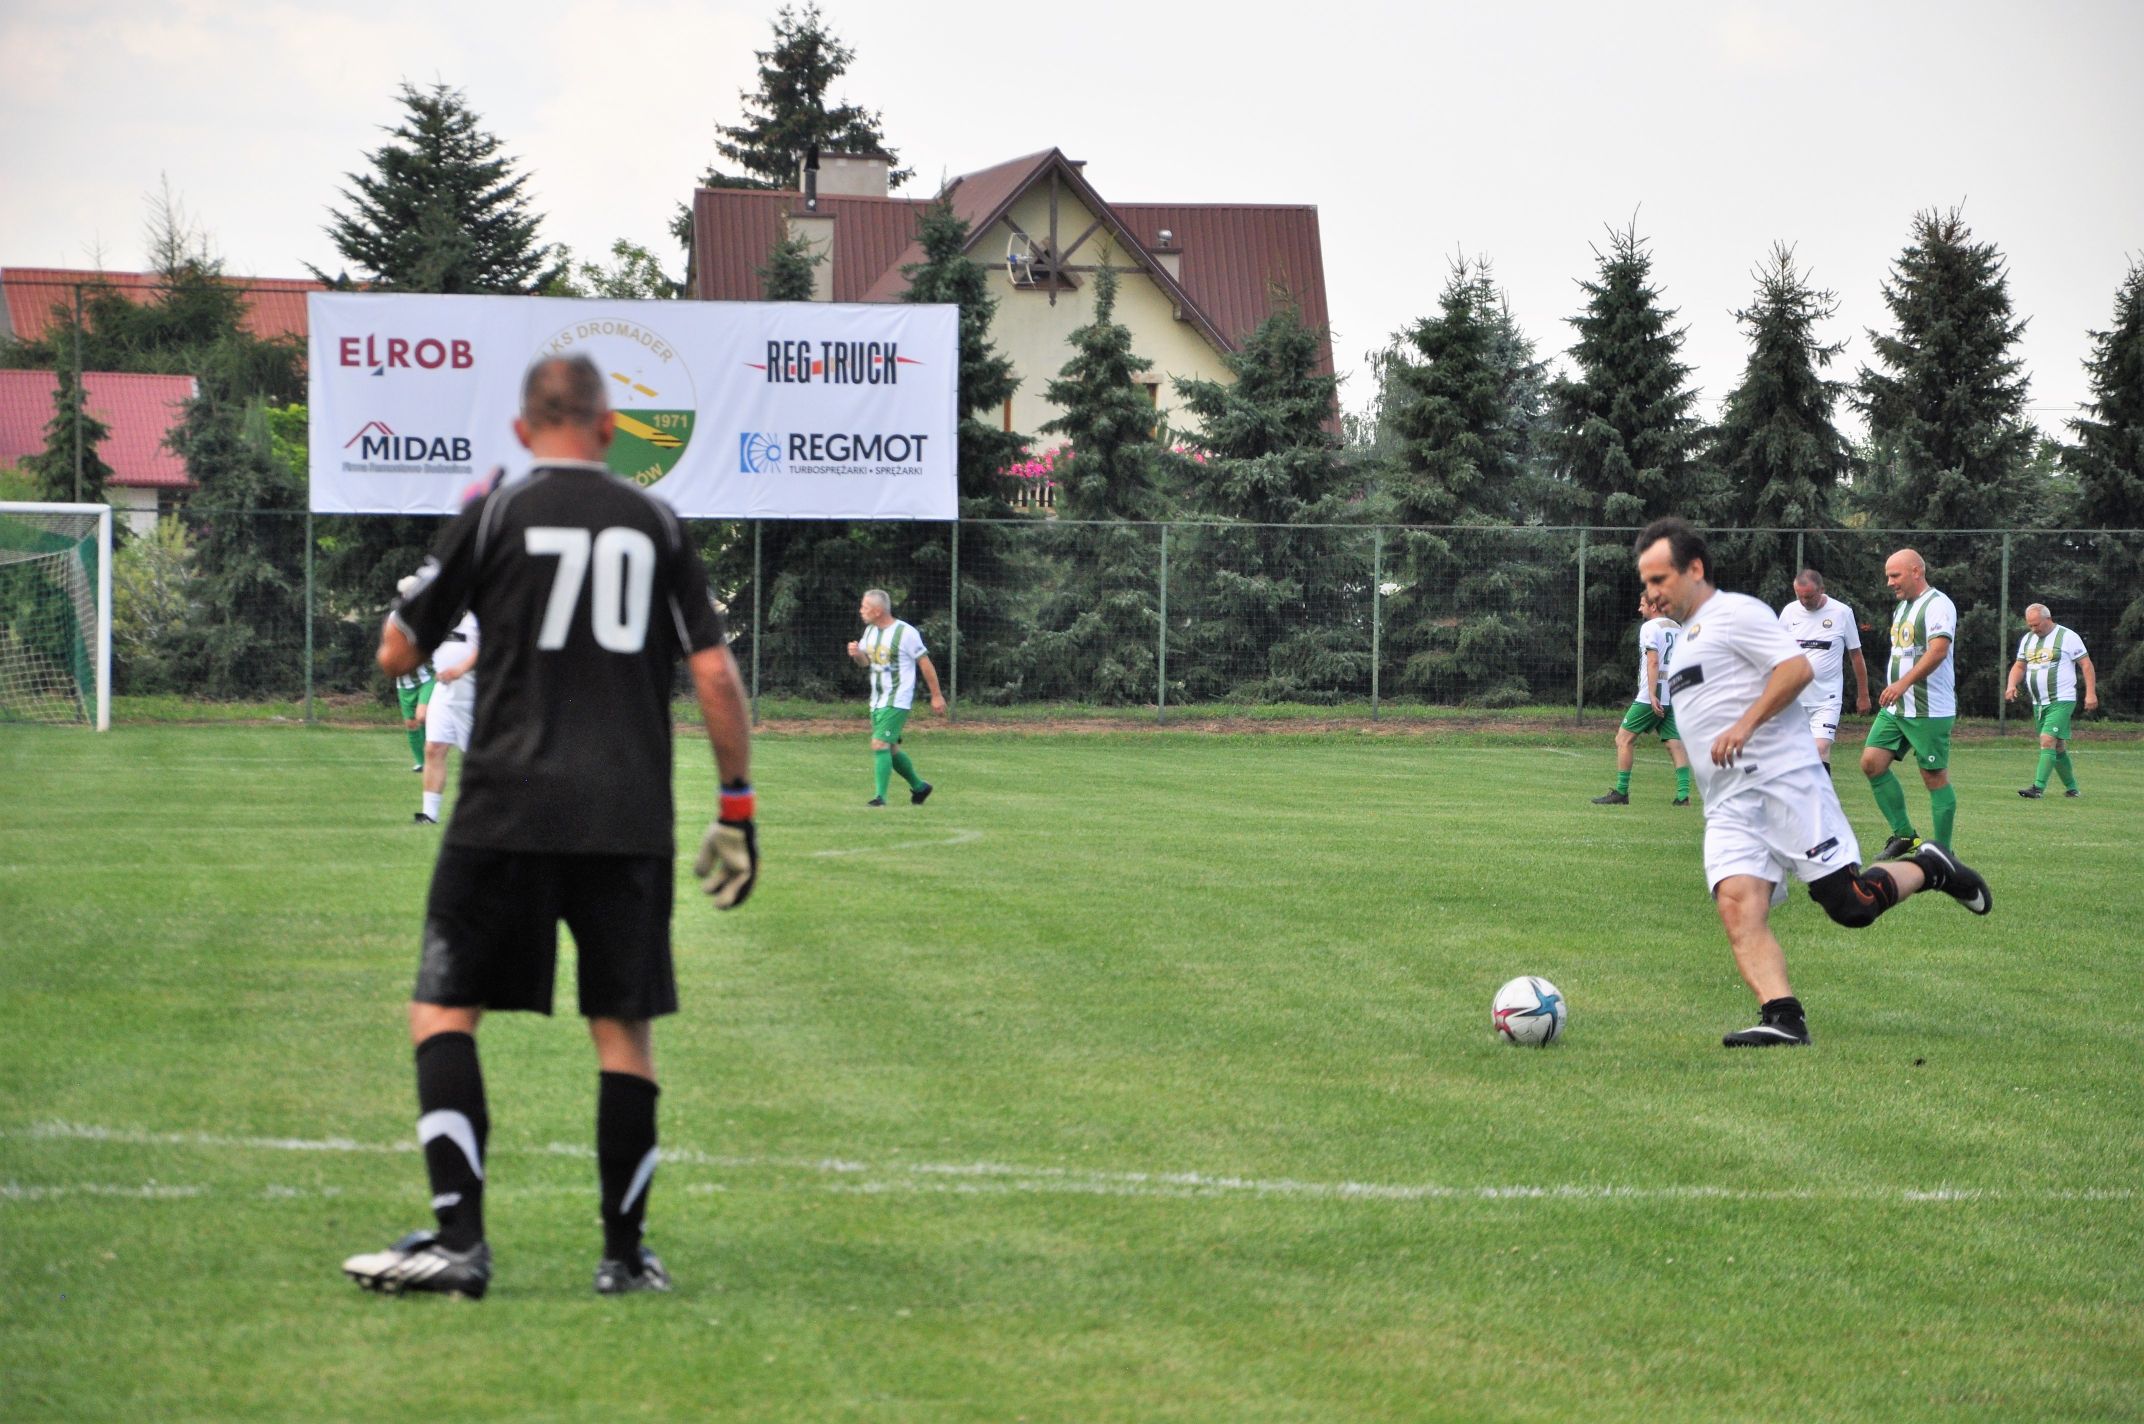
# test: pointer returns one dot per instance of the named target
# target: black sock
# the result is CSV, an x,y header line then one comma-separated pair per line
x,y
1827,768
453,1129
625,1159
1781,1011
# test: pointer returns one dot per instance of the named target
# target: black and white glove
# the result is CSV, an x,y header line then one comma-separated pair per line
x,y
728,862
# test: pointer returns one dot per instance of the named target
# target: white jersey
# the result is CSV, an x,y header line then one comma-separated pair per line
x,y
1723,659
1657,636
1916,623
457,646
1826,634
890,653
2051,665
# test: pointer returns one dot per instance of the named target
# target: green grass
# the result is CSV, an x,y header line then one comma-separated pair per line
x,y
1135,1077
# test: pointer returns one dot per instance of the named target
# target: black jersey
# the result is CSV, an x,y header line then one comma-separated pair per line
x,y
588,594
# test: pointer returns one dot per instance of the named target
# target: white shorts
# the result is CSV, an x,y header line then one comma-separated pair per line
x,y
449,716
1790,825
1824,719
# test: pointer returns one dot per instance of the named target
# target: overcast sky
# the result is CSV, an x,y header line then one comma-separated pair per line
x,y
1519,131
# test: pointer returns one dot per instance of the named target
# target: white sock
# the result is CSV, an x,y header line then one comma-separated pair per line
x,y
431,803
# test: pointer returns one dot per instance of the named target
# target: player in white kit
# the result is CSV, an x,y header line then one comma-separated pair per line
x,y
1770,811
452,713
1826,632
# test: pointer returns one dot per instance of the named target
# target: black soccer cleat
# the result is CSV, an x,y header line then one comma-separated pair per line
x,y
1784,1033
920,794
418,1263
2072,794
418,767
2031,793
1680,801
1613,798
1900,848
614,1277
876,801
1954,878
423,820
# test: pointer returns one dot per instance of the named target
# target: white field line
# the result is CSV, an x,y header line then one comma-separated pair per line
x,y
848,1176
957,838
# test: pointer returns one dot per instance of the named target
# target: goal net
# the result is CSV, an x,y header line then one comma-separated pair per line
x,y
56,613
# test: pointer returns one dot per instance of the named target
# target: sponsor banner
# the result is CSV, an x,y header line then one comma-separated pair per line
x,y
728,410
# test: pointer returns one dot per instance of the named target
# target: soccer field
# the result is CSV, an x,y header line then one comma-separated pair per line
x,y
1135,1077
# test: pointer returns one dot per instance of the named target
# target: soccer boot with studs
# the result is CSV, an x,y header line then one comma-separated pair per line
x,y
419,1264
615,1277
1613,798
1954,878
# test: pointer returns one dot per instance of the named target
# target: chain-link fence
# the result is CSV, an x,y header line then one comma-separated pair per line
x,y
1370,621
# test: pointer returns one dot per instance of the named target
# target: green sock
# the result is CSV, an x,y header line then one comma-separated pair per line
x,y
2047,764
1944,802
907,769
416,744
1891,800
1682,783
1622,783
882,769
2064,770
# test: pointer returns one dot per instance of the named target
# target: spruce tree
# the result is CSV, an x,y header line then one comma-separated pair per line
x,y
1468,415
996,562
1267,623
2108,462
1099,626
53,468
1946,416
789,273
442,209
1776,446
1625,440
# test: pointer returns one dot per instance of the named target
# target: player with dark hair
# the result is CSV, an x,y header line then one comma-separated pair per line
x,y
589,594
1770,810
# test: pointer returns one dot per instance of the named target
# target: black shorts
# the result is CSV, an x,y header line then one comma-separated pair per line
x,y
491,931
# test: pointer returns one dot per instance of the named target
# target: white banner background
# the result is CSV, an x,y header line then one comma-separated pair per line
x,y
728,410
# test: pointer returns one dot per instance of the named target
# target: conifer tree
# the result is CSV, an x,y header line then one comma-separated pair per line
x,y
1099,627
1468,414
1946,416
1626,442
1776,446
789,275
442,209
53,468
2108,462
1268,626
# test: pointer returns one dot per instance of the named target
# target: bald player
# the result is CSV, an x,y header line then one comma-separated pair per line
x,y
2049,659
1917,706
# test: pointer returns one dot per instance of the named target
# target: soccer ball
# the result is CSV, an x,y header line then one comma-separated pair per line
x,y
1528,1011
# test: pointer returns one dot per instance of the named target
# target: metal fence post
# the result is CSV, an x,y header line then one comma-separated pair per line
x,y
1161,661
952,701
1377,612
308,615
755,622
1581,689
2002,637
1801,563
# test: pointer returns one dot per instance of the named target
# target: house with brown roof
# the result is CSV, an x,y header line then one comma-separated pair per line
x,y
139,412
33,298
1195,278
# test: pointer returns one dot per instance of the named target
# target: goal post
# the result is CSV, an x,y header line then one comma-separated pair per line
x,y
56,613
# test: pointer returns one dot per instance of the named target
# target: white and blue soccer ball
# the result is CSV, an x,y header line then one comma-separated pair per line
x,y
1529,1011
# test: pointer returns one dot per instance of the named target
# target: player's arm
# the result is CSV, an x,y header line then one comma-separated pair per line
x,y
1928,662
433,599
1652,678
930,680
2017,675
858,656
1781,689
728,861
1861,682
2091,683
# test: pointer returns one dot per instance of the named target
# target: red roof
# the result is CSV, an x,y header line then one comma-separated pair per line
x,y
275,306
1233,255
139,411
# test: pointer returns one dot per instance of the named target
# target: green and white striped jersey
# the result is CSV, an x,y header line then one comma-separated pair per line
x,y
2051,665
411,681
890,655
1916,623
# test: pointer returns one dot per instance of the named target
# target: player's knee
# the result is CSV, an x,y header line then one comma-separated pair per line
x,y
1875,761
2049,744
1854,897
879,746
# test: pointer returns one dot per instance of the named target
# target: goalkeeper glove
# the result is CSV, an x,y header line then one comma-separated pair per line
x,y
728,862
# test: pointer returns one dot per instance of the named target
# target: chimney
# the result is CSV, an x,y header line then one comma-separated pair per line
x,y
847,175
815,225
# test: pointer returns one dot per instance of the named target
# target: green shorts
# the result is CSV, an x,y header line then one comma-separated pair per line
x,y
415,697
1641,718
1929,738
886,724
2053,719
